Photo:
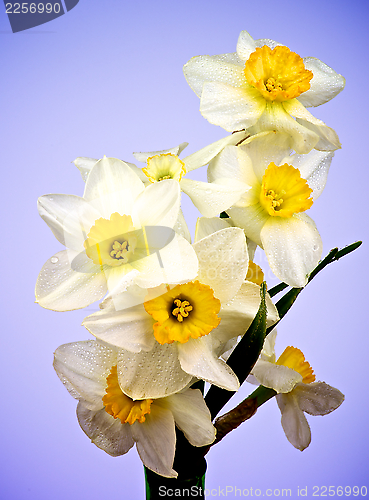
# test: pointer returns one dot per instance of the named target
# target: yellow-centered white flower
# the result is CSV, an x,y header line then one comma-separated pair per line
x,y
292,377
182,329
266,86
272,212
120,233
209,198
114,422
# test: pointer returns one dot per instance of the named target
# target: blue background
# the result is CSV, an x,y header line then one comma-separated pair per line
x,y
106,78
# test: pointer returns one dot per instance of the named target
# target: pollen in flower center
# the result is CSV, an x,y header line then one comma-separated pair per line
x,y
111,241
284,192
119,250
293,358
271,85
278,74
164,166
183,312
181,309
118,405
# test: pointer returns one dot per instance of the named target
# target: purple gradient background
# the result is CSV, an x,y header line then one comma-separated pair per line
x,y
107,78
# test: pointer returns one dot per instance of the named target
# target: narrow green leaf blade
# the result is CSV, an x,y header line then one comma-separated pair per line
x,y
243,357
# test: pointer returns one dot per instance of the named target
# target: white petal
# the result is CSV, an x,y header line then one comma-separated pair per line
x,y
262,149
318,398
130,329
156,441
251,246
120,278
230,107
252,219
159,204
143,157
278,377
69,281
328,139
267,41
139,172
205,155
238,314
105,432
325,85
132,297
198,358
223,262
293,247
83,368
173,263
154,374
212,198
268,352
191,415
245,45
232,162
181,227
225,68
314,168
275,117
207,226
112,186
293,421
84,165
69,217
295,108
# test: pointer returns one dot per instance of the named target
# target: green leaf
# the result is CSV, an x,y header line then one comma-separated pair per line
x,y
243,357
277,288
248,349
285,303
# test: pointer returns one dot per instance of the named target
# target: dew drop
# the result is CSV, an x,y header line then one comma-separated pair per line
x,y
54,260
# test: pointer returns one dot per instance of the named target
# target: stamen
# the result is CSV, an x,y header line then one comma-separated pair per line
x,y
186,311
111,241
182,309
120,250
284,192
278,74
271,84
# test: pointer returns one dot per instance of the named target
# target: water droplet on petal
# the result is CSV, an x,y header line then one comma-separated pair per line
x,y
54,260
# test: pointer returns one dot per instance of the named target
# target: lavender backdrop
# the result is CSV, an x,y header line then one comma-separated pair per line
x,y
106,78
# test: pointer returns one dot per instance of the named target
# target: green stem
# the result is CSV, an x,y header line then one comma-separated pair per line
x,y
242,358
262,395
245,354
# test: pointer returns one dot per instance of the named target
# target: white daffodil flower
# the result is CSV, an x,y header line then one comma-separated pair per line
x,y
264,86
118,234
114,422
293,379
182,329
272,212
209,198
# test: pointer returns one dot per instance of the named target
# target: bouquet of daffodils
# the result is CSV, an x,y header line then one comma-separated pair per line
x,y
175,314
